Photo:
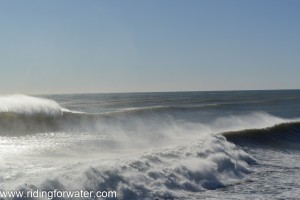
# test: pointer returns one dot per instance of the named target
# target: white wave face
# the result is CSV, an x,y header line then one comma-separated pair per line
x,y
22,104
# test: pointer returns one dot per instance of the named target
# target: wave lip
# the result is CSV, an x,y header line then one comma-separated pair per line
x,y
26,105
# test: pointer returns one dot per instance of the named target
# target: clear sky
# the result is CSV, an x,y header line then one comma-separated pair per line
x,y
74,46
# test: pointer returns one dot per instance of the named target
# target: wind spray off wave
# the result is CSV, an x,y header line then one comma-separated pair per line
x,y
27,105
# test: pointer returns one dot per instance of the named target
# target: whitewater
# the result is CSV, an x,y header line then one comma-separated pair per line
x,y
180,145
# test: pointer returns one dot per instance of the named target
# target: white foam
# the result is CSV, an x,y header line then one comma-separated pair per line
x,y
27,105
172,172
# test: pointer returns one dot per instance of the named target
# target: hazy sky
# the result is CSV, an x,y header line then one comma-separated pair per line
x,y
72,46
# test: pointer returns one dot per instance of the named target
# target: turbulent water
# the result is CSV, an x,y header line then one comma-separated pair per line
x,y
183,145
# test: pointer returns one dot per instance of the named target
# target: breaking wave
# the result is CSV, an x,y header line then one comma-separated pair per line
x,y
166,174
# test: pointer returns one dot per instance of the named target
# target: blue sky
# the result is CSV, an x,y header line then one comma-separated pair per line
x,y
74,46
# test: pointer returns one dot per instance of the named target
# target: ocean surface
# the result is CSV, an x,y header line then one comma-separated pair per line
x,y
177,145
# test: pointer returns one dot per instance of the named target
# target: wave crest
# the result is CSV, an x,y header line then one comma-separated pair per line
x,y
27,105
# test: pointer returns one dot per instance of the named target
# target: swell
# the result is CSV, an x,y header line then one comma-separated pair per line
x,y
283,135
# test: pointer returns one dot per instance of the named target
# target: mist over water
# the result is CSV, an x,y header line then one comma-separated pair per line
x,y
152,145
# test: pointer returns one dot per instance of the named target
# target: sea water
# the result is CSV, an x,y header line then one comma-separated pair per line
x,y
177,145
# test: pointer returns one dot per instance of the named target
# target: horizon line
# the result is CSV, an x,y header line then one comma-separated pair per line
x,y
171,91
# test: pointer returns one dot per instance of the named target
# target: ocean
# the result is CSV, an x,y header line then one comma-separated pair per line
x,y
172,145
